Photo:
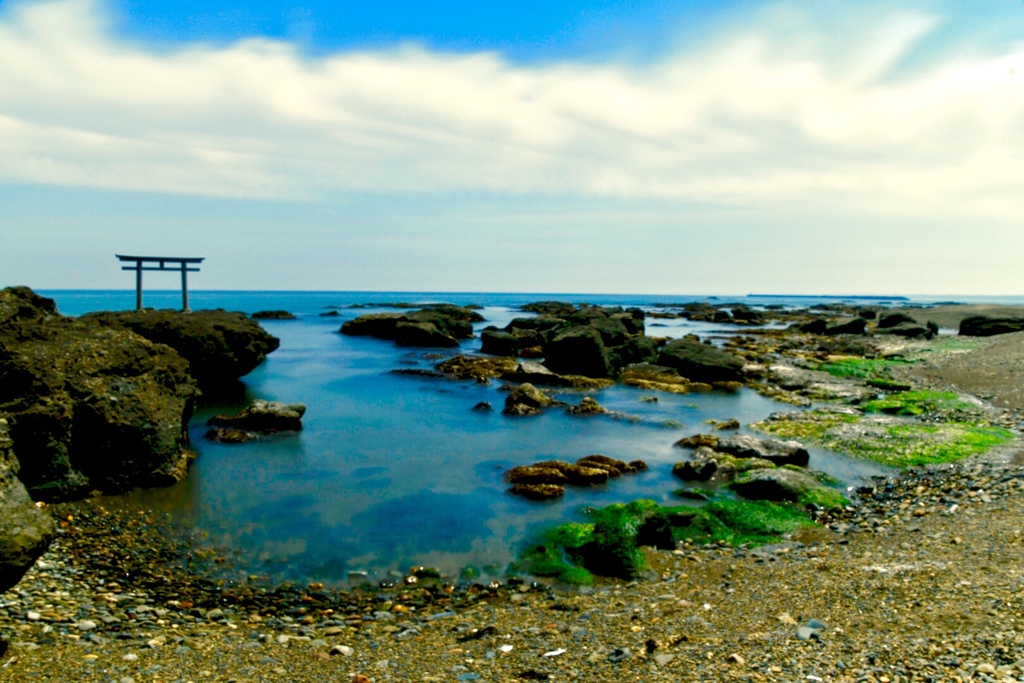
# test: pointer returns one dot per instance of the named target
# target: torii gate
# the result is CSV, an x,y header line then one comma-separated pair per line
x,y
182,265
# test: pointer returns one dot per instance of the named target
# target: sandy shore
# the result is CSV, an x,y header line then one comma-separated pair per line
x,y
922,580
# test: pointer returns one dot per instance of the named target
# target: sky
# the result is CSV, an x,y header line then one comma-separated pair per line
x,y
686,147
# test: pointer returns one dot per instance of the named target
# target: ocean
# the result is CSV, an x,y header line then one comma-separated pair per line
x,y
392,471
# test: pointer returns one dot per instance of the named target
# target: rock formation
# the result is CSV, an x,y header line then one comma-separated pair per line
x,y
25,530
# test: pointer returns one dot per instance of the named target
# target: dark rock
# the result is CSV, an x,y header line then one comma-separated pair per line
x,y
530,372
538,491
695,470
698,441
483,407
700,362
587,406
892,319
446,323
581,475
846,326
330,314
274,315
613,466
226,435
378,325
779,484
635,350
422,334
441,325
90,405
773,450
816,326
219,346
25,530
526,399
984,326
911,331
578,351
264,417
536,474
462,313
554,308
499,343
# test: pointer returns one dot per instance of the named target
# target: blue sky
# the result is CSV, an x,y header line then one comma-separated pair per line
x,y
634,147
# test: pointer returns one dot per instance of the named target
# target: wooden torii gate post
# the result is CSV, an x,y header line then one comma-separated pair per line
x,y
140,265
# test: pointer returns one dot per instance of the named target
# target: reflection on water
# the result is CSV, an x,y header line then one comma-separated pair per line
x,y
391,471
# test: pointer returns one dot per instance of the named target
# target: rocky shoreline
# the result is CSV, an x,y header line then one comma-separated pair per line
x,y
916,579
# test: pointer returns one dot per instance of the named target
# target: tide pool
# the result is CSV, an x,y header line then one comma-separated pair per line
x,y
393,470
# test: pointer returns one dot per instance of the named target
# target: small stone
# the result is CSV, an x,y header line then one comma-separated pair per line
x,y
736,659
86,625
985,669
663,659
343,650
805,633
33,616
619,654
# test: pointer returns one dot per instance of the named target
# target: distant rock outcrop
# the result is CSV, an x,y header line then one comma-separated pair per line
x,y
442,325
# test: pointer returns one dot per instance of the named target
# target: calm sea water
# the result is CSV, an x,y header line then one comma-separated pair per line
x,y
392,471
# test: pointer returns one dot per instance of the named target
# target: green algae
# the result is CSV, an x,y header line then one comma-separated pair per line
x,y
611,545
889,440
919,403
814,428
863,368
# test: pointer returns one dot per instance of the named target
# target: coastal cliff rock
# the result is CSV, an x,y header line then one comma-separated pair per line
x,y
90,407
25,530
220,346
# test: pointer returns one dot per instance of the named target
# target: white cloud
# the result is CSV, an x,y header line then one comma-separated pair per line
x,y
779,111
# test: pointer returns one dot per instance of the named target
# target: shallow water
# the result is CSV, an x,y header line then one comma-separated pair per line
x,y
392,471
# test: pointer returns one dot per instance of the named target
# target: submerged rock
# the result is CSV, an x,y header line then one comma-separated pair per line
x,y
275,315
263,417
538,491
